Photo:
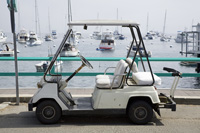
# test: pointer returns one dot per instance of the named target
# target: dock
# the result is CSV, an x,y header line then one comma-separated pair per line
x,y
182,96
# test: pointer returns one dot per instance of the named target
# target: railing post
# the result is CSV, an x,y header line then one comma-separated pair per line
x,y
12,7
136,60
53,68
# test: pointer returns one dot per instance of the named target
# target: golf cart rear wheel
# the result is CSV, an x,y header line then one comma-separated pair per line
x,y
48,112
140,112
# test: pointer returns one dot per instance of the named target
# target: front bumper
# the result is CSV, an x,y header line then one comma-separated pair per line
x,y
167,102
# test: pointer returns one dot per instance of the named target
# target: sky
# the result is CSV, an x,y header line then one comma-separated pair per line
x,y
181,14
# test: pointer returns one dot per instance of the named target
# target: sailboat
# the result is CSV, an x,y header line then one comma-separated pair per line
x,y
48,37
163,38
70,49
116,33
97,32
34,40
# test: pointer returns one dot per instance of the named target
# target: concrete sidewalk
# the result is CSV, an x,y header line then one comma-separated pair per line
x,y
182,96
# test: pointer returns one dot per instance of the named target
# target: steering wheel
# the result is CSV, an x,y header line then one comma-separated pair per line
x,y
85,62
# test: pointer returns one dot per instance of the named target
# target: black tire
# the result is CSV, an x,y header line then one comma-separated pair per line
x,y
48,112
140,112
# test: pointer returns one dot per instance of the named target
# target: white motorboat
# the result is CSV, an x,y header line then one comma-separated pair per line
x,y
164,39
34,40
54,34
69,51
5,51
150,35
2,36
78,35
107,41
181,38
96,35
48,38
23,36
42,66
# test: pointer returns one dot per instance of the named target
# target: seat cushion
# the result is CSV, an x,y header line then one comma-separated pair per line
x,y
106,83
104,77
145,78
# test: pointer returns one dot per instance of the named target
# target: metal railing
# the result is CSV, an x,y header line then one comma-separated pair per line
x,y
94,59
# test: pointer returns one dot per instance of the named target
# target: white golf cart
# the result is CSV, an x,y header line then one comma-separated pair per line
x,y
126,92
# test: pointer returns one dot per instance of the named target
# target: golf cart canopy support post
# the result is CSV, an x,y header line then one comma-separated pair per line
x,y
56,56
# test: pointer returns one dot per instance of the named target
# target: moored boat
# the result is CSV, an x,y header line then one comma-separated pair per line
x,y
107,41
3,37
23,36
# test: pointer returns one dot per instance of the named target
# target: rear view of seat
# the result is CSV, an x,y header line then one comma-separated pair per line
x,y
112,81
142,78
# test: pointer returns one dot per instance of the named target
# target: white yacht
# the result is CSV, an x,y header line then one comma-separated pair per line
x,y
33,39
78,34
42,66
23,36
107,41
69,51
181,37
96,35
2,36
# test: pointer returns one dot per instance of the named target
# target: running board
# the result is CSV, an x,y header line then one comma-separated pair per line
x,y
167,102
66,98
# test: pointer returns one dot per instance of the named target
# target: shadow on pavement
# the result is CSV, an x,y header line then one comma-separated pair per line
x,y
29,120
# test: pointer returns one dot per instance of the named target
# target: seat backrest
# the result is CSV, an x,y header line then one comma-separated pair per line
x,y
134,68
120,69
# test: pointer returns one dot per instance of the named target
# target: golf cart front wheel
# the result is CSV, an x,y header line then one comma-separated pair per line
x,y
140,112
48,112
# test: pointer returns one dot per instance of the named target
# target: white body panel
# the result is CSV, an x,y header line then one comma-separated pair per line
x,y
102,98
118,98
49,90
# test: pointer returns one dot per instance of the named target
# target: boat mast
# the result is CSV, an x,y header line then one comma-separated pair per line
x,y
19,24
38,19
49,21
69,11
35,16
147,21
117,19
164,22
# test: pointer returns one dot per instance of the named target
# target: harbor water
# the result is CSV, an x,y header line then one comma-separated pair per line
x,y
87,48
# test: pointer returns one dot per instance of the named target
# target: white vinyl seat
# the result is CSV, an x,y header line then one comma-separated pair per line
x,y
112,81
142,78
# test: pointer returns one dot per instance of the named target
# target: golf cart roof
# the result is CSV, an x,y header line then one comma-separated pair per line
x,y
103,23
